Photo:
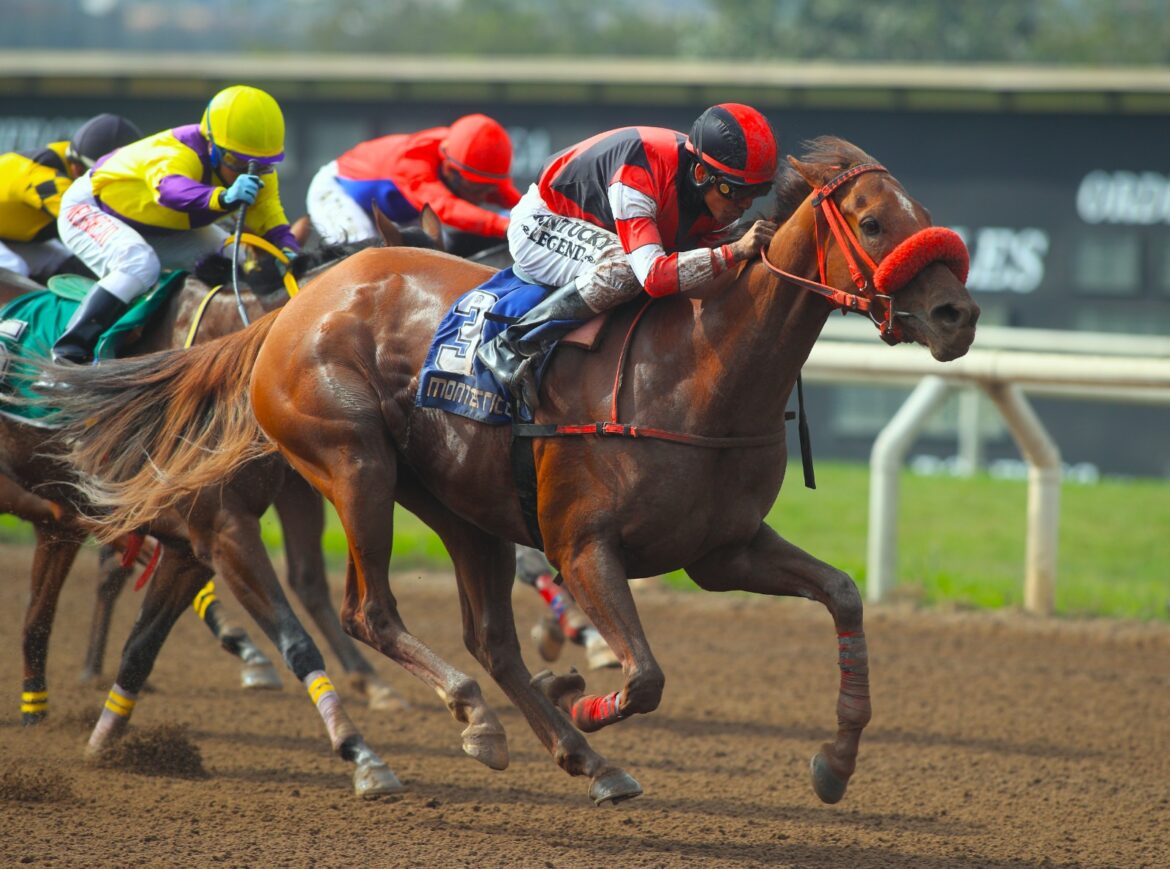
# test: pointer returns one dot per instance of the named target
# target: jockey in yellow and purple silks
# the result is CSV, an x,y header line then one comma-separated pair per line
x,y
154,204
32,184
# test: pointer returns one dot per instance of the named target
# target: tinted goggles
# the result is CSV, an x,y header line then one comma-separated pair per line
x,y
240,166
734,191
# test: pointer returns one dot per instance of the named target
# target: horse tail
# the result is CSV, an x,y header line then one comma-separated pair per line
x,y
143,433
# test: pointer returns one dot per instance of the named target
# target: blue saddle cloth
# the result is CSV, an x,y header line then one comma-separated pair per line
x,y
452,378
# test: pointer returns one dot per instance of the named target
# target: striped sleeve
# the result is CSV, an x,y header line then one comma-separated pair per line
x,y
660,274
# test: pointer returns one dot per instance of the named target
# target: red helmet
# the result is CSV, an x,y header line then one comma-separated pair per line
x,y
479,149
736,142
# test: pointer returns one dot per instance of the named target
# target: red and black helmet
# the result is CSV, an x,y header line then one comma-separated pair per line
x,y
735,142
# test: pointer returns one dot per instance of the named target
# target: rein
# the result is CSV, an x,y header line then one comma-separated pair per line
x,y
290,282
867,299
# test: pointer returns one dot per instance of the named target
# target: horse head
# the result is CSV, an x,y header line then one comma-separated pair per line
x,y
870,233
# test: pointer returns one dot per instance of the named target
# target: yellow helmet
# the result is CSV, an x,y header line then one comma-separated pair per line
x,y
246,122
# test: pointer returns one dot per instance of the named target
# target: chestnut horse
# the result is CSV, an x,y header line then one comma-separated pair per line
x,y
330,381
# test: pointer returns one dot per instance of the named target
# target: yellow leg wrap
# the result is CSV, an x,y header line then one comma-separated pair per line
x,y
33,702
318,687
119,704
204,599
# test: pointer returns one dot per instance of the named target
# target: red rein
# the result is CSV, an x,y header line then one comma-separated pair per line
x,y
930,245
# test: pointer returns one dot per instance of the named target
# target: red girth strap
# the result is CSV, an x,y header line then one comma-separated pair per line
x,y
632,430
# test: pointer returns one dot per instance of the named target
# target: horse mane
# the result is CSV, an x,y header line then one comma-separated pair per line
x,y
792,189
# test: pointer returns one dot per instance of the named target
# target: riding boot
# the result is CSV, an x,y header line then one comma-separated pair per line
x,y
515,354
99,311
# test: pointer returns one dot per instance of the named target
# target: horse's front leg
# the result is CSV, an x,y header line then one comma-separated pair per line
x,y
769,564
484,568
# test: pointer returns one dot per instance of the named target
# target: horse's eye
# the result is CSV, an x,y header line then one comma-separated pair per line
x,y
870,226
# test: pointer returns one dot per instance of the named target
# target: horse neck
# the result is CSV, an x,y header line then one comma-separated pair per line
x,y
771,324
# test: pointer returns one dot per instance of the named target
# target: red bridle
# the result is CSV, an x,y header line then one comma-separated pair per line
x,y
873,297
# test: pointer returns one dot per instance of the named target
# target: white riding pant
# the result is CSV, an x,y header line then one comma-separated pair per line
x,y
555,251
29,258
332,211
127,263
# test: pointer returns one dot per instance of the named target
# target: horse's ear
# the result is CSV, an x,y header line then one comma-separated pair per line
x,y
816,174
301,229
432,226
387,229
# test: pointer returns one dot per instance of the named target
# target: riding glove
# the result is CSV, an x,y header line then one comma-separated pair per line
x,y
243,190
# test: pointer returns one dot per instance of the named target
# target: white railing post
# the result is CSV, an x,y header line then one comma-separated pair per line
x,y
1043,457
889,451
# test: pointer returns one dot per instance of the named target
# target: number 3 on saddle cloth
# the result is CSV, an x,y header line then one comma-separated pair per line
x,y
31,323
452,378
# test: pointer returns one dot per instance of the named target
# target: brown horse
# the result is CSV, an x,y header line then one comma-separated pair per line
x,y
331,379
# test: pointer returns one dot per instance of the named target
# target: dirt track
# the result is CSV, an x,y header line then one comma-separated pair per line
x,y
997,740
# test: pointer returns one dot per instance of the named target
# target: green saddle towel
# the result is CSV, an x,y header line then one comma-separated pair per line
x,y
30,325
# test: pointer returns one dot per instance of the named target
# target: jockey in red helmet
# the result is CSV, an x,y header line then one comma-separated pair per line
x,y
463,172
633,209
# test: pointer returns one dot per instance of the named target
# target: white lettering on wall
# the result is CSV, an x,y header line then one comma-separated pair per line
x,y
1135,198
1005,259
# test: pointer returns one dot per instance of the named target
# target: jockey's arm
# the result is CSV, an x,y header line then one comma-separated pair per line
x,y
661,273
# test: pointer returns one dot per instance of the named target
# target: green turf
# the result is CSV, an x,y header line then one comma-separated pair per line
x,y
960,541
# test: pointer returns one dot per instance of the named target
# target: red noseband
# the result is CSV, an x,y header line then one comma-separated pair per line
x,y
930,245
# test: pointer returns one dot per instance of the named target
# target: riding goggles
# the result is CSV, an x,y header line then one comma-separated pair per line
x,y
735,191
239,165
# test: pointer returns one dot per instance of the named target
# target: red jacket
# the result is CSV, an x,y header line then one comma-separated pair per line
x,y
411,161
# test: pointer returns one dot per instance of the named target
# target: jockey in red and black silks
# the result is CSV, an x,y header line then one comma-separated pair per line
x,y
632,210
628,182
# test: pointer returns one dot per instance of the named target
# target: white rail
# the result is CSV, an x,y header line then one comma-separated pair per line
x,y
1089,365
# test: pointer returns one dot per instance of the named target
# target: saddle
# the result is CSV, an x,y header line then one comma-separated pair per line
x,y
453,379
31,323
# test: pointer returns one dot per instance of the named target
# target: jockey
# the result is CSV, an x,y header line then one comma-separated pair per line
x,y
31,186
633,209
154,204
463,172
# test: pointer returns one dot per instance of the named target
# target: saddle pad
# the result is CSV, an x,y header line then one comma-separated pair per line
x,y
452,378
31,323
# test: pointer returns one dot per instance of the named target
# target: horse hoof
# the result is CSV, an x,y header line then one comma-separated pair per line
x,y
380,697
549,638
262,677
375,780
598,654
561,691
828,786
613,785
487,745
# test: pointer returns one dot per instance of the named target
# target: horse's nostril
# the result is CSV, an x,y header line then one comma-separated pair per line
x,y
948,314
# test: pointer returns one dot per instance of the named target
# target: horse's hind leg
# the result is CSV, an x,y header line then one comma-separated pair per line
x,y
178,577
359,476
302,516
484,568
56,550
232,536
772,565
257,671
112,578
